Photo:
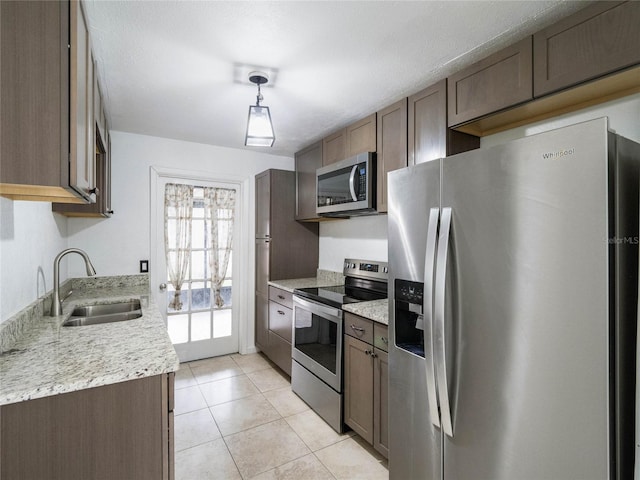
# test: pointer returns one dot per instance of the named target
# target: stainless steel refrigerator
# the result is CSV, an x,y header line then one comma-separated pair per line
x,y
513,293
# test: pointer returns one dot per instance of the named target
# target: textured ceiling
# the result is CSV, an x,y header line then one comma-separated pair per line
x,y
177,69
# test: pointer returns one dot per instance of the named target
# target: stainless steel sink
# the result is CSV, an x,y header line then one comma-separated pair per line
x,y
109,308
98,314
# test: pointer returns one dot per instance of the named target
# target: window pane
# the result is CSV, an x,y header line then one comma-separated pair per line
x,y
221,323
198,270
225,293
197,234
223,231
200,296
178,326
184,297
201,325
171,233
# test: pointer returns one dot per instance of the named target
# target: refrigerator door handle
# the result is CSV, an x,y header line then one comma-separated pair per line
x,y
427,310
439,321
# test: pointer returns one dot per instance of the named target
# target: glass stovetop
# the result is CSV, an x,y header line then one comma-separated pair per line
x,y
339,295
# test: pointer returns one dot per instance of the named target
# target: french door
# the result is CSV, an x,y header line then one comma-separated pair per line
x,y
200,327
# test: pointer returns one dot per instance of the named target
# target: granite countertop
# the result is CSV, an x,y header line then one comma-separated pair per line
x,y
49,359
376,310
290,285
323,278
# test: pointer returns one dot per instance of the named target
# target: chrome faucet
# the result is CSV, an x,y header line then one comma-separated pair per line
x,y
56,303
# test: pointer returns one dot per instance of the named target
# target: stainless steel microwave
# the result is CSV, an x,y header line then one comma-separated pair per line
x,y
347,188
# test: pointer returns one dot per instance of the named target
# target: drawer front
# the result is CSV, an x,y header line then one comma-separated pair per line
x,y
281,296
280,320
381,336
358,327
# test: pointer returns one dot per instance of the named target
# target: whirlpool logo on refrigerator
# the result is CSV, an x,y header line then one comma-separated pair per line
x,y
558,154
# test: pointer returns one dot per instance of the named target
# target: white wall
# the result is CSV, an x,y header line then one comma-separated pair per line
x,y
358,237
116,245
30,238
623,114
31,235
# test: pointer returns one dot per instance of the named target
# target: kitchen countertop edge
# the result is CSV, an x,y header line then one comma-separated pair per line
x,y
376,310
50,359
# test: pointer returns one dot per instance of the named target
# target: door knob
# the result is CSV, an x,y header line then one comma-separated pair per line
x,y
163,287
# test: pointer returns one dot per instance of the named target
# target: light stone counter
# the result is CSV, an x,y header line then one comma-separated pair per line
x,y
49,359
325,278
376,310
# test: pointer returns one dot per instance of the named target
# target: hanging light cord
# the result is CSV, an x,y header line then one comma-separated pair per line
x,y
259,97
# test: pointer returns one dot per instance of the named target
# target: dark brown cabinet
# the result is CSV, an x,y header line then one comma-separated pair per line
x,y
307,162
47,145
391,146
334,147
102,205
366,380
102,151
428,135
284,249
123,430
596,41
361,136
280,326
499,81
356,138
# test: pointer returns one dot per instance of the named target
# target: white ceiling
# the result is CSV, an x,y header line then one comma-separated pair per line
x,y
177,69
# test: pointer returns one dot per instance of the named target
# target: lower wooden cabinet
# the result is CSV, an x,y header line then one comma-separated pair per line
x,y
123,430
366,381
278,331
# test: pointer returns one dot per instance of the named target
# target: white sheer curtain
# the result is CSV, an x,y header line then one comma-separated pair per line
x,y
219,207
178,212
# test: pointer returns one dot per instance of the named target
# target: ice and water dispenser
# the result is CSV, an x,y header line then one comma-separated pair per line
x,y
409,320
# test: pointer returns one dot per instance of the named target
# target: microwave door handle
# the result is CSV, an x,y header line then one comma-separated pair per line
x,y
352,183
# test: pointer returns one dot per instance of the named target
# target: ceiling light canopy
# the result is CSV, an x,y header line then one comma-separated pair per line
x,y
259,126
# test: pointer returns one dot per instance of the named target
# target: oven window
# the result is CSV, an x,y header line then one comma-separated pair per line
x,y
316,336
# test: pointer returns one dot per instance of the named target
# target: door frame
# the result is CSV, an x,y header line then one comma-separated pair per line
x,y
242,220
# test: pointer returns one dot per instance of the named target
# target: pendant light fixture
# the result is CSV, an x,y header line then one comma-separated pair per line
x,y
259,126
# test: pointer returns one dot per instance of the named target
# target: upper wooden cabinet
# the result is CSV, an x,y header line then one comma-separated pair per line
x,y
307,162
596,41
501,80
334,147
391,146
356,138
428,135
47,145
361,136
98,133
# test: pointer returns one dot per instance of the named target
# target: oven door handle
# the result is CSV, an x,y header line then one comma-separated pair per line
x,y
334,314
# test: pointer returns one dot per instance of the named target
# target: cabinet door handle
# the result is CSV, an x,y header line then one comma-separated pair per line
x,y
357,329
281,297
374,354
368,352
280,312
385,340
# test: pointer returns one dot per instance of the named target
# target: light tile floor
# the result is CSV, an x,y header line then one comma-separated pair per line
x,y
237,418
